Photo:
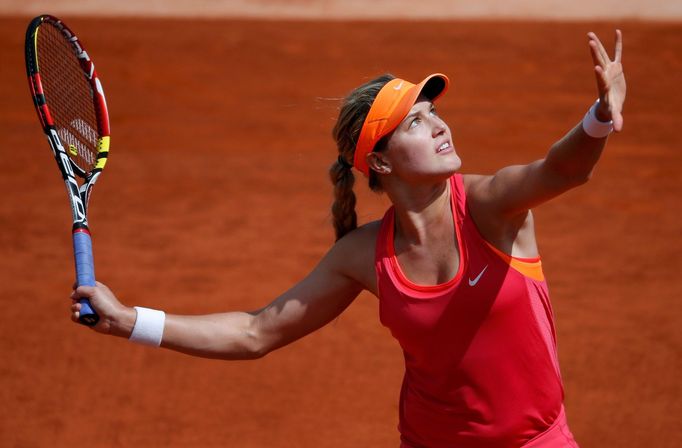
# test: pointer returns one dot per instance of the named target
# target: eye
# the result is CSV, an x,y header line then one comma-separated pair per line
x,y
433,111
415,122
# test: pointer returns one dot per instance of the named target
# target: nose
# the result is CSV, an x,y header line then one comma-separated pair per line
x,y
438,127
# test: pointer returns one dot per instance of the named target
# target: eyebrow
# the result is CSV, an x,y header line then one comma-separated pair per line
x,y
417,112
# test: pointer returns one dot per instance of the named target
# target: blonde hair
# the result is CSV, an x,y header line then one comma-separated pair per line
x,y
354,110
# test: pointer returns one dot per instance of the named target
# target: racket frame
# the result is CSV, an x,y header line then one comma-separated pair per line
x,y
79,195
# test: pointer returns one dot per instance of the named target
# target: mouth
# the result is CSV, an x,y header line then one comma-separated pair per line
x,y
445,147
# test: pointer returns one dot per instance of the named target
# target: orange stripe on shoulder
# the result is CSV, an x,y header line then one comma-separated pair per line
x,y
530,267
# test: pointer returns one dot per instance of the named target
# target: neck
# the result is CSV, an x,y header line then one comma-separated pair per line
x,y
421,212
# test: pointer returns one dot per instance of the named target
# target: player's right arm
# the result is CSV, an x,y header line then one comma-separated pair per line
x,y
320,297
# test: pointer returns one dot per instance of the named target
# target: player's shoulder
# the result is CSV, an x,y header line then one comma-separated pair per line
x,y
356,247
353,255
473,181
480,190
361,239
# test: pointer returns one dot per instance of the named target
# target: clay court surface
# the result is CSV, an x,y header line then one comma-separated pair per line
x,y
216,198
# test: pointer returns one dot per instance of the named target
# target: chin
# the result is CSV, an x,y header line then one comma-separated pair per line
x,y
447,171
446,168
453,164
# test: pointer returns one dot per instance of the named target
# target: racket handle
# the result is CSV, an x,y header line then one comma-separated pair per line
x,y
85,273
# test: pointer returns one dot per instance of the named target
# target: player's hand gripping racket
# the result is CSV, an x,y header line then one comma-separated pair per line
x,y
73,113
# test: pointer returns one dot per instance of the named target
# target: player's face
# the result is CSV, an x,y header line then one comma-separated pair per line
x,y
421,146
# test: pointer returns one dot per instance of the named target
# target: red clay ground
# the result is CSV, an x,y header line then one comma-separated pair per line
x,y
216,198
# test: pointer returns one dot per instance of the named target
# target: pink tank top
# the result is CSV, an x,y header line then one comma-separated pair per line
x,y
481,367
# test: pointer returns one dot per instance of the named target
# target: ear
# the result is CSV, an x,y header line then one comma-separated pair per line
x,y
378,162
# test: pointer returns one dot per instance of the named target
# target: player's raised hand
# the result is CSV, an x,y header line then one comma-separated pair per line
x,y
610,80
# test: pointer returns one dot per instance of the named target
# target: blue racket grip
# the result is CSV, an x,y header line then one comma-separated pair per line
x,y
85,273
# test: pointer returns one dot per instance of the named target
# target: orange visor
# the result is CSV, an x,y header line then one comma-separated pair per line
x,y
389,108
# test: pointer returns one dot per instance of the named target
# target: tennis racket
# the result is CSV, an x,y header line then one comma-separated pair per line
x,y
70,102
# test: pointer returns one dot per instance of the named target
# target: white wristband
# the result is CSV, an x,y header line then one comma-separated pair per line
x,y
593,127
148,329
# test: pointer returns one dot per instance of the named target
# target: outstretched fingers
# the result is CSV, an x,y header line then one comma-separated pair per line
x,y
599,54
619,46
610,79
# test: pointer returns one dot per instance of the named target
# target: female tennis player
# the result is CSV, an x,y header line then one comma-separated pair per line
x,y
454,263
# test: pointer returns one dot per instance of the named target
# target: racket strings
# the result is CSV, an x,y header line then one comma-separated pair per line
x,y
69,96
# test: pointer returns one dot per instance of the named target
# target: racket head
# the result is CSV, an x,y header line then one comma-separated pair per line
x,y
68,96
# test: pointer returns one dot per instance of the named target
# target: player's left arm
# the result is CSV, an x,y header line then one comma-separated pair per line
x,y
514,190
